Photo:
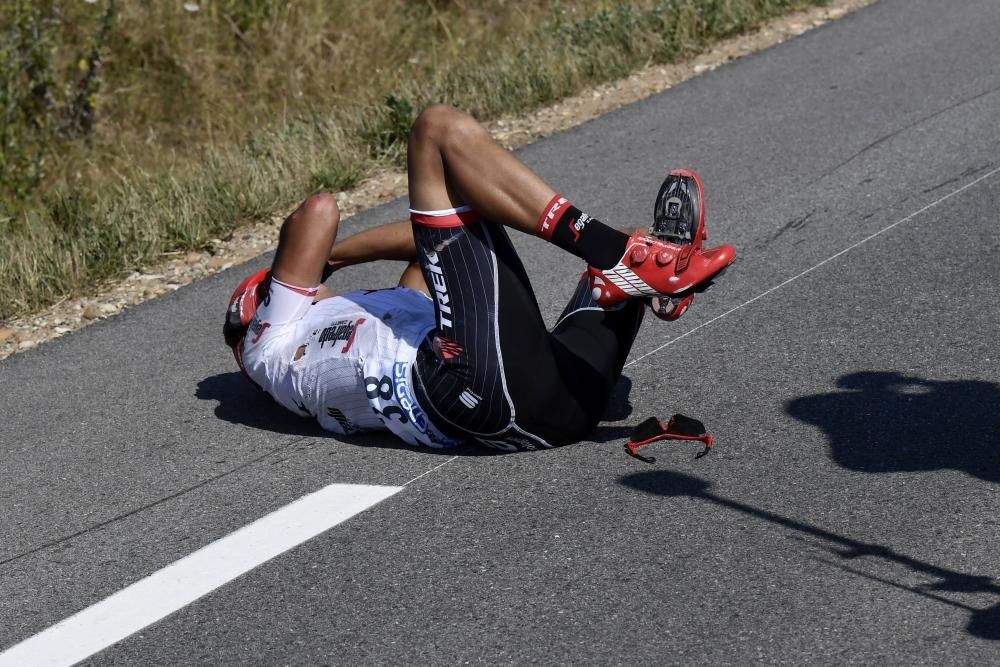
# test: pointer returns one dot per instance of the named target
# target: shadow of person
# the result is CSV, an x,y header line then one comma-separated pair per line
x,y
983,623
241,402
883,422
609,433
619,406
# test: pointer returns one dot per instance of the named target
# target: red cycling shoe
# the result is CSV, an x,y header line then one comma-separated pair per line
x,y
671,265
654,268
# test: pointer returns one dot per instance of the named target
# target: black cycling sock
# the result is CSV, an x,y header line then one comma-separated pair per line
x,y
573,230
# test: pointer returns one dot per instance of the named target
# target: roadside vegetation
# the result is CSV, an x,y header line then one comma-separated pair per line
x,y
130,130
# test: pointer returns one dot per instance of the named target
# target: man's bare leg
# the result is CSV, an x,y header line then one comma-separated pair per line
x,y
454,161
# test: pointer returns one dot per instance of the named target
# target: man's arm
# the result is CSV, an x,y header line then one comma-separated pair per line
x,y
391,241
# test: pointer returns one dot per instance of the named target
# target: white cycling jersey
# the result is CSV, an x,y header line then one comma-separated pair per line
x,y
345,360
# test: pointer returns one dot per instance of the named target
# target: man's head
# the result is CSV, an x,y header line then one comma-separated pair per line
x,y
248,296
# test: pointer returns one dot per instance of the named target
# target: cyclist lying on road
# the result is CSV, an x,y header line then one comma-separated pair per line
x,y
458,350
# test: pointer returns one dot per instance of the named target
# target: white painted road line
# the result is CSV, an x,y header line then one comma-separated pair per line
x,y
824,262
441,465
181,583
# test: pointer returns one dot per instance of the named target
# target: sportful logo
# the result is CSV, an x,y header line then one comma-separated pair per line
x,y
469,399
440,288
512,442
499,445
343,330
550,217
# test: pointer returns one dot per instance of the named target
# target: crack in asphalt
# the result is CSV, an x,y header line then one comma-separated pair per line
x,y
147,506
897,132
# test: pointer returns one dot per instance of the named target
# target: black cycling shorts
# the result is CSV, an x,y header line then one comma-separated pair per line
x,y
491,371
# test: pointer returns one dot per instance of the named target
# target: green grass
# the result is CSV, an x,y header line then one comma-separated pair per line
x,y
192,123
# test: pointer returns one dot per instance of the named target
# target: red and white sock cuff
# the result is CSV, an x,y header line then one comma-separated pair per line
x,y
550,216
304,291
285,303
449,217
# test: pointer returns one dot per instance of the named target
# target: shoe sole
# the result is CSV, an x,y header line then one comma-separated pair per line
x,y
698,233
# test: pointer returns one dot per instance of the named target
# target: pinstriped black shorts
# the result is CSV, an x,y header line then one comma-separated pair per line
x,y
491,371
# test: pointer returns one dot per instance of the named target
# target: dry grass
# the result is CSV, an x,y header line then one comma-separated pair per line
x,y
205,119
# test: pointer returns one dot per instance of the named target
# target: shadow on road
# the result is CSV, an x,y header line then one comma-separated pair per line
x,y
883,422
619,405
984,623
619,408
240,402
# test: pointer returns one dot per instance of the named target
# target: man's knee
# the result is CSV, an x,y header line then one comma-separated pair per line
x,y
441,124
315,221
321,206
319,209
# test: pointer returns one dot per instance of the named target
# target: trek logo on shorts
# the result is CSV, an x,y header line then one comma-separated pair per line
x,y
344,330
440,288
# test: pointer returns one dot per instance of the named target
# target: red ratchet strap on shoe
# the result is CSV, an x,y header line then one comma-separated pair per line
x,y
678,428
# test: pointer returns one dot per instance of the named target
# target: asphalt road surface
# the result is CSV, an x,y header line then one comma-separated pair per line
x,y
848,366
